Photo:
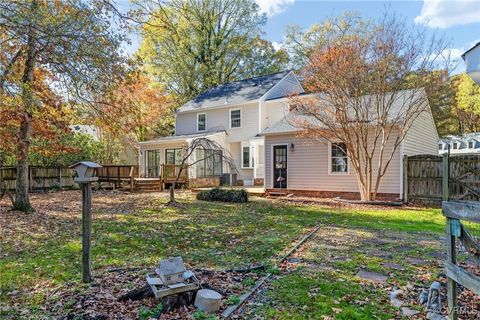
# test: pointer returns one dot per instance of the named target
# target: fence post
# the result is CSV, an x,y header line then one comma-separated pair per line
x,y
60,177
445,177
405,178
451,284
30,178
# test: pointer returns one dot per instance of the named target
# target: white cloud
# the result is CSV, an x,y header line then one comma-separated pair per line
x,y
448,13
277,45
273,7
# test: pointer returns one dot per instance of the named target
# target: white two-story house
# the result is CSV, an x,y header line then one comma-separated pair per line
x,y
233,115
249,120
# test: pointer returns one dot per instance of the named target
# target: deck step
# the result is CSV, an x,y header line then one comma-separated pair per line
x,y
277,194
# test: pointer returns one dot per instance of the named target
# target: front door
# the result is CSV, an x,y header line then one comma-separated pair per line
x,y
279,166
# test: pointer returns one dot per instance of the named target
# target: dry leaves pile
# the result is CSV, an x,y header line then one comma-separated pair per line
x,y
99,300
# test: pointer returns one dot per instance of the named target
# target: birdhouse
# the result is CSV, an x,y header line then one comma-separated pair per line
x,y
85,171
171,270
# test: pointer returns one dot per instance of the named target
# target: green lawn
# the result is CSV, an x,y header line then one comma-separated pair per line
x,y
42,251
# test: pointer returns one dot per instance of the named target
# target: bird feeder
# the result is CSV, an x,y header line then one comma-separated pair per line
x,y
84,176
172,278
85,171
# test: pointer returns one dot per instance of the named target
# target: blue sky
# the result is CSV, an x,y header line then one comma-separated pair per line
x,y
457,20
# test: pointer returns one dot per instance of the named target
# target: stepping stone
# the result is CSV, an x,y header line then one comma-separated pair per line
x,y
381,254
416,261
394,300
393,266
375,241
438,255
341,259
403,248
407,312
294,260
371,276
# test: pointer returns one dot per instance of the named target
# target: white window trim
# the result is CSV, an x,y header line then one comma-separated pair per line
x,y
198,115
230,118
473,144
249,146
330,172
272,182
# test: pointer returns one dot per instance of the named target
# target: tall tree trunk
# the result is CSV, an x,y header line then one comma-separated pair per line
x,y
22,201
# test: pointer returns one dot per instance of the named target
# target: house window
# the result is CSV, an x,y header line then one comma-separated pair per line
x,y
246,157
201,122
455,145
235,118
339,159
173,156
440,146
208,163
470,144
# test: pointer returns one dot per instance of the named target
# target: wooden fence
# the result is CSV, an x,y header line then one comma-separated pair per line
x,y
459,214
423,177
43,178
40,178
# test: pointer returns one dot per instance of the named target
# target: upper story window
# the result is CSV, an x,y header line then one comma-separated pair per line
x,y
339,159
440,146
235,118
470,144
201,121
455,146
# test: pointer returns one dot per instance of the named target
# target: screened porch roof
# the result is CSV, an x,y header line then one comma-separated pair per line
x,y
183,137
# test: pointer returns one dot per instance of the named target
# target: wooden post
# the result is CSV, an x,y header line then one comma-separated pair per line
x,y
445,177
451,284
30,178
405,178
60,177
86,232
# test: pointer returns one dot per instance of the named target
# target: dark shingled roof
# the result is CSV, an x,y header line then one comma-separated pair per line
x,y
234,92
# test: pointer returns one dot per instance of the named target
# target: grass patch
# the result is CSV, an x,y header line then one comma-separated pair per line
x,y
206,234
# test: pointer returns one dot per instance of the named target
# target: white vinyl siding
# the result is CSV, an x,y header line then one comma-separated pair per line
x,y
218,119
422,137
308,168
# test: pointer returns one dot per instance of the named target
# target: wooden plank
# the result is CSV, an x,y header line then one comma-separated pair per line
x,y
451,259
462,210
445,177
463,277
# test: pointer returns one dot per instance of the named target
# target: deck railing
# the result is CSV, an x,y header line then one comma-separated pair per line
x,y
170,173
118,174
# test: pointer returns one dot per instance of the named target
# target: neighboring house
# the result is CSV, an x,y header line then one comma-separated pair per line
x,y
233,115
86,129
249,119
472,61
466,144
128,154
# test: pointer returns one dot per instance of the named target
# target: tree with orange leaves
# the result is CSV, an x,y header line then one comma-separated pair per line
x,y
138,109
369,87
73,40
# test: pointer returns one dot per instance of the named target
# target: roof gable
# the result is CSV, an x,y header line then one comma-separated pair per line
x,y
234,92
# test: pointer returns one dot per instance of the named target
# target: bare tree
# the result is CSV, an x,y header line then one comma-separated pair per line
x,y
370,88
201,143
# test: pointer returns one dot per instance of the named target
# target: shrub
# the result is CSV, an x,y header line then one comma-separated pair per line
x,y
224,195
